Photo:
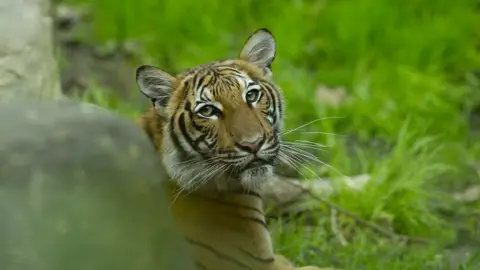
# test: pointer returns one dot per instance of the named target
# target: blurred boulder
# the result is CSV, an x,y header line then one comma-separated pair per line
x,y
81,188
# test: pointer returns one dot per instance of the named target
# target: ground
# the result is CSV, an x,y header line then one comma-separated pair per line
x,y
395,82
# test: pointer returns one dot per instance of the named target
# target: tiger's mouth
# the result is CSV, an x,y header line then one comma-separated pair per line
x,y
255,163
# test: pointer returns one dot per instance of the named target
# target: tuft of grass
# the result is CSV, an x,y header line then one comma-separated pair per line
x,y
365,251
401,192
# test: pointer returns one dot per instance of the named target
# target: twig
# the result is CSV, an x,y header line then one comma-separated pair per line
x,y
335,230
360,220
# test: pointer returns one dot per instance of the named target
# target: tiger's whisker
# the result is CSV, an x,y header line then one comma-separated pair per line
x,y
188,184
287,161
310,143
310,157
306,146
307,124
323,133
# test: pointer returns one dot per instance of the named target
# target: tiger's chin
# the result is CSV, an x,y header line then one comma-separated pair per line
x,y
245,181
191,178
253,178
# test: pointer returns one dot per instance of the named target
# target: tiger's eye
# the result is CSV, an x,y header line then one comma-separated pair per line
x,y
252,95
207,111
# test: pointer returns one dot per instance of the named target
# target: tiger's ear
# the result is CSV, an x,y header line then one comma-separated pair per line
x,y
260,49
155,84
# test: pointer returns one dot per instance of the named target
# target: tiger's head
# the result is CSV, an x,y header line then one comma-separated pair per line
x,y
221,119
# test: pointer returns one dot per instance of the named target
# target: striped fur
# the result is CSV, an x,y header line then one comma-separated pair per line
x,y
217,128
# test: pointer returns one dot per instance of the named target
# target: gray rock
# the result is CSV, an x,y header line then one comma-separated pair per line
x,y
81,188
27,63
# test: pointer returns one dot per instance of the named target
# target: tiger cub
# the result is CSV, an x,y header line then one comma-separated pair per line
x,y
217,128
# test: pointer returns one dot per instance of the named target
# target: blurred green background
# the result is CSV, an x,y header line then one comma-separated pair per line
x,y
398,83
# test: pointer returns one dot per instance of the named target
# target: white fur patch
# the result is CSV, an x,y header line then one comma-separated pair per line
x,y
252,179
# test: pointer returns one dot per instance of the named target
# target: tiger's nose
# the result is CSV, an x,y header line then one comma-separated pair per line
x,y
252,145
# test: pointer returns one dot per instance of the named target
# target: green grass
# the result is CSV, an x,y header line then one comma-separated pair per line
x,y
408,69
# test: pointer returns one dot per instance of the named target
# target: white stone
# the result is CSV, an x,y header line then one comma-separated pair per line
x,y
27,62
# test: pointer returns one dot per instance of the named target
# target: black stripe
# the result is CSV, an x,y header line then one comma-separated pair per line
x,y
210,146
235,71
246,207
193,143
195,125
258,259
271,92
252,219
264,138
198,128
232,82
247,192
200,139
188,109
201,87
185,91
174,138
198,80
218,253
188,106
279,100
276,129
183,128
271,146
214,77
